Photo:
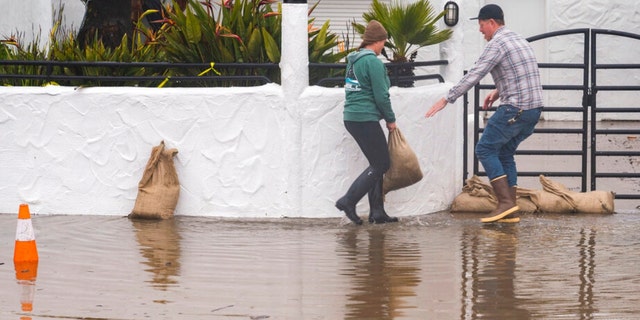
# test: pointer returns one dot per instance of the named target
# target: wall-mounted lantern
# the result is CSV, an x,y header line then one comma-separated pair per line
x,y
452,15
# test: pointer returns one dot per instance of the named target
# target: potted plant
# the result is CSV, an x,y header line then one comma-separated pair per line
x,y
410,27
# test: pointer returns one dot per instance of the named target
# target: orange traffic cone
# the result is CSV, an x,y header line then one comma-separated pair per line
x,y
25,257
25,249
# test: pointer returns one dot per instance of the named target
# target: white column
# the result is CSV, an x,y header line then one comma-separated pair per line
x,y
294,61
294,72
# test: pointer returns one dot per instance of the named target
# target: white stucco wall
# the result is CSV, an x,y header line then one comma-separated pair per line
x,y
270,151
83,151
256,152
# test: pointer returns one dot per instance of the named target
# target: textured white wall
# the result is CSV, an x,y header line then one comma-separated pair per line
x,y
243,152
69,150
252,152
83,151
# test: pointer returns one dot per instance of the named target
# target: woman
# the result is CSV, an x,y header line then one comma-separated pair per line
x,y
367,101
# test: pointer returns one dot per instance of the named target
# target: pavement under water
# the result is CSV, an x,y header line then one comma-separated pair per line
x,y
437,266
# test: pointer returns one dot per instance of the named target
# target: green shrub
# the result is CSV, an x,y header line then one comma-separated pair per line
x,y
12,50
240,31
139,49
65,48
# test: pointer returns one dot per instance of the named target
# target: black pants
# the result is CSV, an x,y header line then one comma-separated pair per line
x,y
373,143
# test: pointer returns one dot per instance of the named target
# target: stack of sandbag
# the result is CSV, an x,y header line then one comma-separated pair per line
x,y
159,188
554,197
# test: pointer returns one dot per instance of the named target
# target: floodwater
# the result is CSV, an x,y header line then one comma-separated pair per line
x,y
436,266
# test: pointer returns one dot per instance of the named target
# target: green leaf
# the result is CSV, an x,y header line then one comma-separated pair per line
x,y
193,31
271,46
254,46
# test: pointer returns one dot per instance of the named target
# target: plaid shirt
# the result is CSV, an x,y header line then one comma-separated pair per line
x,y
512,64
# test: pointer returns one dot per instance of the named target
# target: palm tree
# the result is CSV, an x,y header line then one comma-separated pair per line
x,y
410,27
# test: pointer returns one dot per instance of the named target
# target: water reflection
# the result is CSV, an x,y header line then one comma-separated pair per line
x,y
383,270
441,267
26,274
159,242
489,273
587,272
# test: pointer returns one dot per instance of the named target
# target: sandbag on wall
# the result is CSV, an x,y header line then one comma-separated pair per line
x,y
159,188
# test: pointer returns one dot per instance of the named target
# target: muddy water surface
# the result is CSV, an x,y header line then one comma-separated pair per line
x,y
439,266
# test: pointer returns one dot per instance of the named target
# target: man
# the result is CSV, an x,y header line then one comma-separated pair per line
x,y
514,69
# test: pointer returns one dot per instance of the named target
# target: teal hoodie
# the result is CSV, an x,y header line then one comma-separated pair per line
x,y
367,89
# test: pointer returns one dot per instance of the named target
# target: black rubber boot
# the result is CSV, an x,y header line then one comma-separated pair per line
x,y
358,189
343,205
377,214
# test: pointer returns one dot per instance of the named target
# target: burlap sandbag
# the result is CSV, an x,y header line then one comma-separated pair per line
x,y
548,202
554,197
594,202
478,196
405,168
159,187
525,204
581,202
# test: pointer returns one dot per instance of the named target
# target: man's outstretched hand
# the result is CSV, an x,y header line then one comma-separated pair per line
x,y
436,107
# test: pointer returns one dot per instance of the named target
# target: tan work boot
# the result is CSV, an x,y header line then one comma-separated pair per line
x,y
514,217
506,204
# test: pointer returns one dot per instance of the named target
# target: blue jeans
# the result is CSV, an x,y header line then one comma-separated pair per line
x,y
500,139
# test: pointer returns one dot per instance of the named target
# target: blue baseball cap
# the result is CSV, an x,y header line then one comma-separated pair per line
x,y
490,11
